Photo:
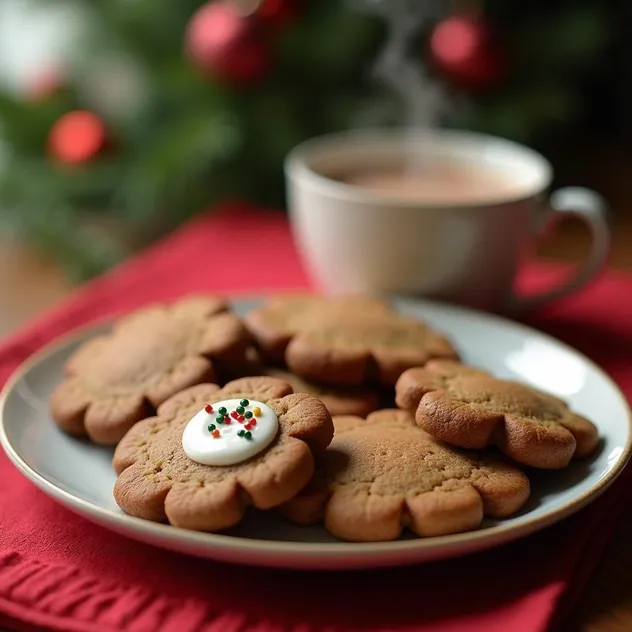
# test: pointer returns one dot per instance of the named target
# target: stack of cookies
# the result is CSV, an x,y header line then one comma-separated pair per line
x,y
334,410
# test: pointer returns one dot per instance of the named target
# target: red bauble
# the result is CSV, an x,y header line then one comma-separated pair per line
x,y
77,137
467,51
227,44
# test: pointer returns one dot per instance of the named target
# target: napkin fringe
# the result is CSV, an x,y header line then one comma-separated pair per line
x,y
59,597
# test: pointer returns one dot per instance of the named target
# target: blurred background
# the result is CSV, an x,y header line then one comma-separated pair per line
x,y
121,119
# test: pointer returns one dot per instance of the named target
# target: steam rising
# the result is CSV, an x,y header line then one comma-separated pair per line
x,y
423,99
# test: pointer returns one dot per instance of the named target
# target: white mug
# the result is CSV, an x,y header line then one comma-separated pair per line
x,y
353,240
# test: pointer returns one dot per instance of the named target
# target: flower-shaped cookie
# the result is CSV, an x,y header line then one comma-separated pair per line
x,y
470,408
114,380
354,350
383,474
163,462
275,323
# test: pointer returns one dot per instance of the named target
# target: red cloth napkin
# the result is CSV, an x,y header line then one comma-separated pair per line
x,y
59,572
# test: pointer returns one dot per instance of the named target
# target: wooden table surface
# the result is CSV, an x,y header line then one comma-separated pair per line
x,y
29,284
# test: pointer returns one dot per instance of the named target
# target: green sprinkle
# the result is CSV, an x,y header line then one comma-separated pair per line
x,y
211,427
248,414
248,434
240,410
241,433
244,402
219,420
222,411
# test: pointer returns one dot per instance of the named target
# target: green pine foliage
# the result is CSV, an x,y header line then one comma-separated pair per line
x,y
190,141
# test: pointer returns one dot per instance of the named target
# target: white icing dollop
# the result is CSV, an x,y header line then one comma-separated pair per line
x,y
229,448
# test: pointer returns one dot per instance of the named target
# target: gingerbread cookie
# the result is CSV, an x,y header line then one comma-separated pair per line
x,y
470,408
339,401
354,350
210,452
275,323
119,378
383,474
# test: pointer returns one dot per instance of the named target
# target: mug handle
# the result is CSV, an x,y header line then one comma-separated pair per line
x,y
593,210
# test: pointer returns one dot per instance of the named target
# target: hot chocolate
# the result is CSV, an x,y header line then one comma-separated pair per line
x,y
440,183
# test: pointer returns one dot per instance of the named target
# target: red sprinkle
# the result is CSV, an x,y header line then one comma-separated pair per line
x,y
234,414
248,426
253,422
215,434
208,408
227,420
240,419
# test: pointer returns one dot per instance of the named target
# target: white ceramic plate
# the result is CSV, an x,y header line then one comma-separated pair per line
x,y
79,475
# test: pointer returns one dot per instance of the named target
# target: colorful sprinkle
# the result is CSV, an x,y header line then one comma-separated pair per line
x,y
248,426
248,414
219,420
234,414
248,435
222,411
256,411
211,427
241,410
241,433
241,419
244,402
215,434
227,419
208,408
253,422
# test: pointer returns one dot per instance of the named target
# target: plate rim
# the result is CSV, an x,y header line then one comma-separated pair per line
x,y
473,540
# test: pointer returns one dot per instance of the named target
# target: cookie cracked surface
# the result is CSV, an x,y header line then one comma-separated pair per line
x,y
383,474
470,408
354,350
275,323
157,481
116,379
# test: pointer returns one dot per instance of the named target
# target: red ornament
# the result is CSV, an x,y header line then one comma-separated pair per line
x,y
227,44
278,12
467,52
77,137
208,408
